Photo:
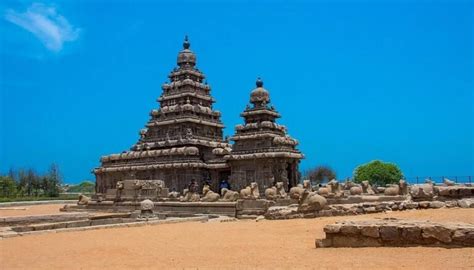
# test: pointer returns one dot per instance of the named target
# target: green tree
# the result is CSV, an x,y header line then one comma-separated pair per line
x,y
53,181
84,187
22,186
320,174
7,186
378,172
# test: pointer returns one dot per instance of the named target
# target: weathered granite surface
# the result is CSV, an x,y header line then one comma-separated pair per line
x,y
397,232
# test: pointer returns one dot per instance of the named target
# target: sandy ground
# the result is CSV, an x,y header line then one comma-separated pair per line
x,y
42,209
237,245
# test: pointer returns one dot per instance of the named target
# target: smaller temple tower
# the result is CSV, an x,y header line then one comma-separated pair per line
x,y
263,152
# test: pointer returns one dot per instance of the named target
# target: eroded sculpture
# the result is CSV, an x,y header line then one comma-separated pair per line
x,y
275,192
250,192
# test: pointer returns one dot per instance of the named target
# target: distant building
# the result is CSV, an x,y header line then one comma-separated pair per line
x,y
183,140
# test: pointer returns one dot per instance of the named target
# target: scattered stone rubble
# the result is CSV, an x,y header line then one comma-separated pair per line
x,y
397,232
292,211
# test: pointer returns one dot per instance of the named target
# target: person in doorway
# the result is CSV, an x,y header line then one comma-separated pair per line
x,y
192,187
224,184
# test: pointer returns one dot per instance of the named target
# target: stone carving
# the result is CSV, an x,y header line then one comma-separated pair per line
x,y
307,185
334,186
189,133
146,208
229,195
356,190
83,200
353,188
250,192
448,182
143,133
208,195
146,205
276,192
311,201
296,192
173,196
189,196
367,188
394,190
119,186
423,191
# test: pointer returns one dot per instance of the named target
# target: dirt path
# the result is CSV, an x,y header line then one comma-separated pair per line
x,y
31,210
237,245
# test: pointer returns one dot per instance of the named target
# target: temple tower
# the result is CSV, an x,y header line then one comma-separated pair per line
x,y
183,139
262,152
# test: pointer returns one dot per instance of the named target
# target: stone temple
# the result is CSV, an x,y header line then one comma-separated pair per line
x,y
183,140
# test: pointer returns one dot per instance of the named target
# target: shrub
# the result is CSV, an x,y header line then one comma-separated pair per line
x,y
84,187
378,172
7,186
320,174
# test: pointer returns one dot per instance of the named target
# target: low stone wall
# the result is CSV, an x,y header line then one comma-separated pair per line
x,y
253,208
18,220
193,208
365,198
290,212
168,208
25,203
8,232
396,232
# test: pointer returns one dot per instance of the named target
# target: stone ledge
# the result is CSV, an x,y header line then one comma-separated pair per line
x,y
398,233
24,203
15,220
87,226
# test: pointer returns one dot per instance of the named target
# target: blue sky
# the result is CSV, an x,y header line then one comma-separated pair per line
x,y
354,81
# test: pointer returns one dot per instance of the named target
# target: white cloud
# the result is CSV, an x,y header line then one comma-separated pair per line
x,y
46,24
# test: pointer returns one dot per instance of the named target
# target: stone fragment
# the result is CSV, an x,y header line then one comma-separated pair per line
x,y
349,229
389,233
437,232
412,233
436,204
370,231
332,228
451,204
322,243
354,241
75,224
410,205
464,237
466,203
424,204
370,210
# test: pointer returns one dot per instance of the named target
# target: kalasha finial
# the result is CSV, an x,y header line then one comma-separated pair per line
x,y
186,43
259,82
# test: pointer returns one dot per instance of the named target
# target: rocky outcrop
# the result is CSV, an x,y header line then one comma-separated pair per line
x,y
397,232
